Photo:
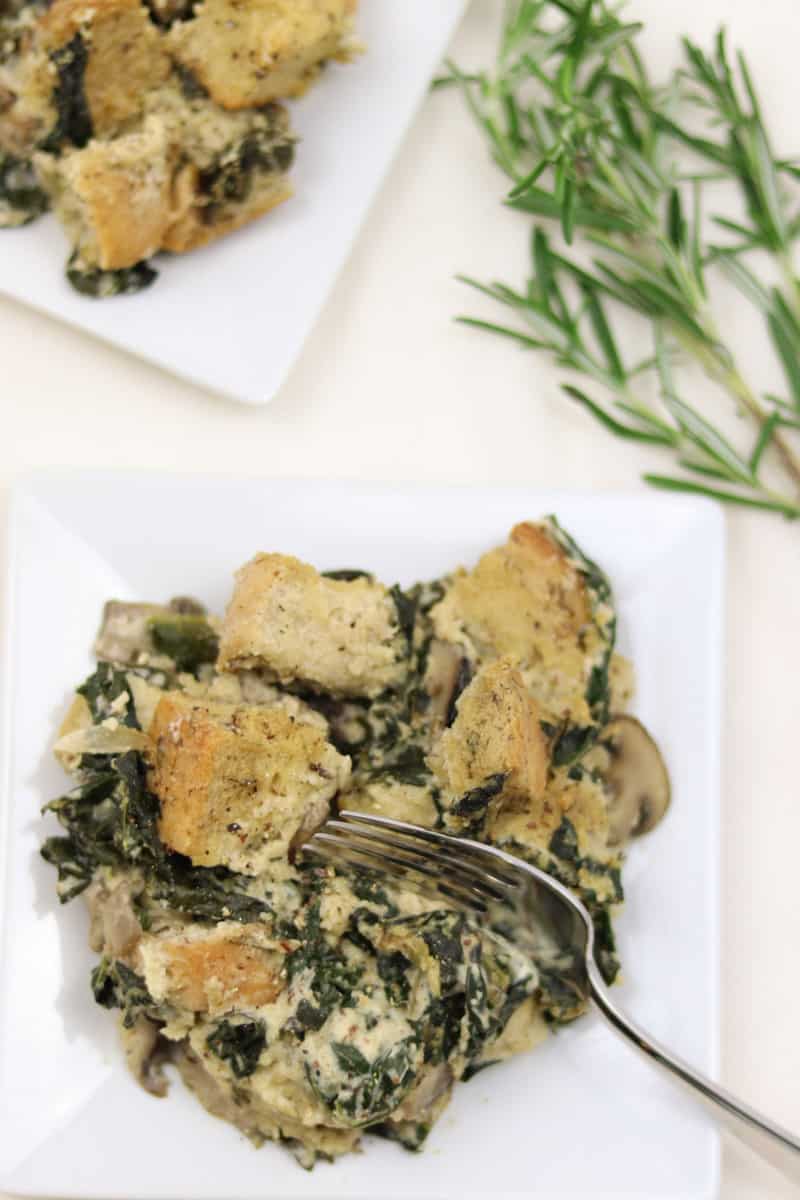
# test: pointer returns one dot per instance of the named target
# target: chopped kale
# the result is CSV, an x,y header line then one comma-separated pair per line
x,y
442,933
463,679
367,888
440,1029
309,1017
333,979
74,864
230,179
370,1090
393,969
21,197
572,743
73,118
404,763
350,1058
209,894
99,284
564,842
405,604
239,1044
475,802
360,929
97,816
188,639
476,999
605,947
101,689
347,574
117,986
596,579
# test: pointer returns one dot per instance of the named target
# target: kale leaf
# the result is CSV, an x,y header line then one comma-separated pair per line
x,y
371,1090
393,969
73,119
347,574
102,688
333,979
405,604
367,888
21,197
475,803
350,1058
564,842
74,864
100,284
117,986
239,1044
187,639
463,679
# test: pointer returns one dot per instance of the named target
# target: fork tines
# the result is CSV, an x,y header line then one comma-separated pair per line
x,y
462,870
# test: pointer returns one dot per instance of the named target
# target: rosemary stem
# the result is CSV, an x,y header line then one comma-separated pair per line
x,y
725,371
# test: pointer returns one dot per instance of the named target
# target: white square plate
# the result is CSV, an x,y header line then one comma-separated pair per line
x,y
234,315
581,1116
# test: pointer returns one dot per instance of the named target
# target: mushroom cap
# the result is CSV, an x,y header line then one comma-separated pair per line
x,y
636,779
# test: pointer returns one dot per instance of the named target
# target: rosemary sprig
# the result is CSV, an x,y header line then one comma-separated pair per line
x,y
589,141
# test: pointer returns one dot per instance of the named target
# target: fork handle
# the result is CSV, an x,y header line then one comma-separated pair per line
x,y
769,1141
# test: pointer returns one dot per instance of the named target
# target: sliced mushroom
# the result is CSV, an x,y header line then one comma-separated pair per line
x,y
124,632
446,676
636,777
145,1053
157,634
187,606
431,1085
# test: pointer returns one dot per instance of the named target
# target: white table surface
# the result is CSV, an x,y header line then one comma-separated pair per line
x,y
388,387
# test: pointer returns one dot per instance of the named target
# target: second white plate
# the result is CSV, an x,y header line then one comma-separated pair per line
x,y
233,316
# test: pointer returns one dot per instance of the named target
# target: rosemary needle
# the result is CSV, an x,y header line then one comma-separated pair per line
x,y
590,143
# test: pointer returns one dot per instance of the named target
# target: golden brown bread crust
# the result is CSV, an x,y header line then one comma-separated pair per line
x,y
212,970
334,635
526,601
247,52
114,197
239,783
496,731
126,55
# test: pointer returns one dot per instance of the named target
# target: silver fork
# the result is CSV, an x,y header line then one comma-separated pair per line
x,y
479,878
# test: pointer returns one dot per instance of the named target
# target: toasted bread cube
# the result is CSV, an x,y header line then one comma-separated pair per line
x,y
196,222
526,601
124,52
246,54
212,970
239,784
496,732
114,198
183,176
336,636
